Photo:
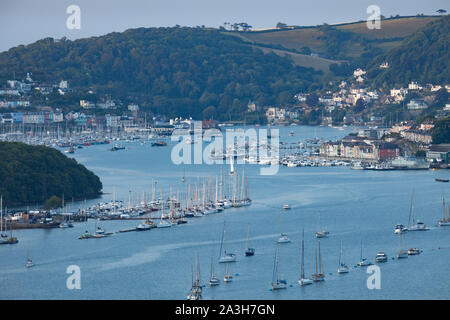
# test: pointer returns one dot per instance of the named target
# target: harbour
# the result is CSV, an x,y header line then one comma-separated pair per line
x,y
354,206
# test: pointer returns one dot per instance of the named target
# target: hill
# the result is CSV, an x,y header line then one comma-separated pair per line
x,y
176,71
353,42
422,57
33,174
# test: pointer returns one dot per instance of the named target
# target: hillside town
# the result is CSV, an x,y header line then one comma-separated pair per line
x,y
381,136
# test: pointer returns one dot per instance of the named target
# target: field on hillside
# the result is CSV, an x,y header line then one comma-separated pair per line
x,y
303,59
391,28
310,37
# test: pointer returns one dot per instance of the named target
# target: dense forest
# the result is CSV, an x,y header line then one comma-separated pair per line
x,y
441,131
422,57
33,174
174,71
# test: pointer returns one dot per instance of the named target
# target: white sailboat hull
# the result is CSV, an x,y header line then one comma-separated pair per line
x,y
304,282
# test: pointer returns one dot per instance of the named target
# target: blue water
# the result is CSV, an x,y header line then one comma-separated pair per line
x,y
353,205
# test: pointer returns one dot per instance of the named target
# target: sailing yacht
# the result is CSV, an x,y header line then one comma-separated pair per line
x,y
342,267
250,251
162,223
196,288
363,262
321,233
413,224
213,281
318,275
303,281
3,235
64,224
228,277
4,239
401,252
231,165
445,221
225,256
86,234
277,283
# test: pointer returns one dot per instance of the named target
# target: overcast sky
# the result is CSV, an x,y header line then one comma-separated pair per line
x,y
25,21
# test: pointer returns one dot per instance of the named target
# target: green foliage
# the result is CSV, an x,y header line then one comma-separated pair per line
x,y
32,174
421,154
53,202
422,57
172,71
441,131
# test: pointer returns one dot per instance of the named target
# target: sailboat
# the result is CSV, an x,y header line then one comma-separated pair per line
x,y
228,277
250,251
86,234
342,267
4,239
363,262
321,233
196,288
400,228
64,224
445,221
226,256
413,224
318,275
303,281
231,165
99,232
162,223
3,235
277,283
401,252
213,281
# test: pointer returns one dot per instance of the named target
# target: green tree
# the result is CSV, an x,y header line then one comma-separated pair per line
x,y
53,202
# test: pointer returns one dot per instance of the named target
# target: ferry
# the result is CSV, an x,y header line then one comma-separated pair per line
x,y
411,163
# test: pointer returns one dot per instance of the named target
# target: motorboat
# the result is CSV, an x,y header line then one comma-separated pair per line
x,y
399,229
381,257
283,239
414,251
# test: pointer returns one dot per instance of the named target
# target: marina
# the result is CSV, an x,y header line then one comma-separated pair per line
x,y
352,204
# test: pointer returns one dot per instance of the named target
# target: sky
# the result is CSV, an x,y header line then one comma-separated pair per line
x,y
26,21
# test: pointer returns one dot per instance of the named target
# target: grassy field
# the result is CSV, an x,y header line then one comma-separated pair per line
x,y
303,59
310,37
390,28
